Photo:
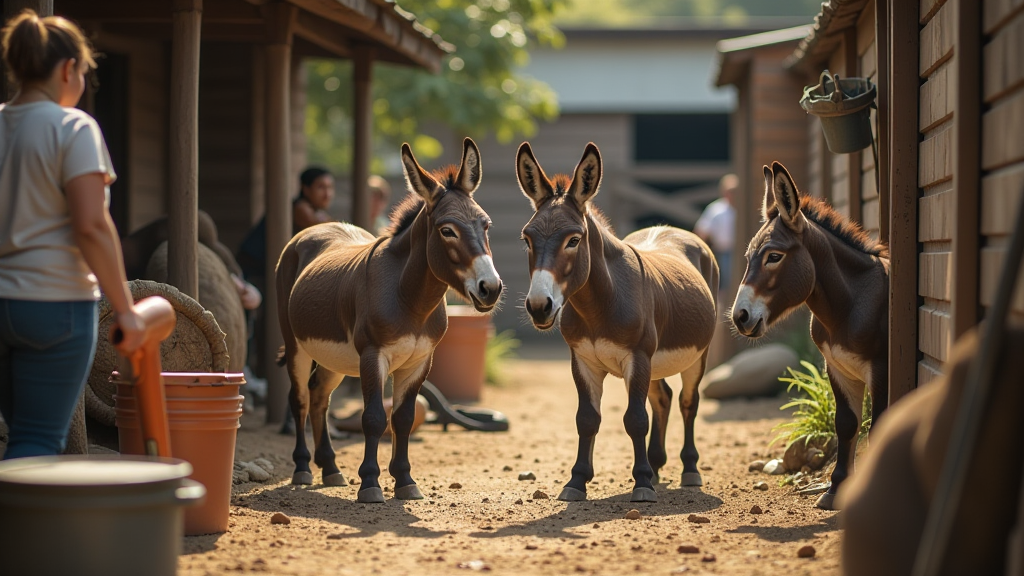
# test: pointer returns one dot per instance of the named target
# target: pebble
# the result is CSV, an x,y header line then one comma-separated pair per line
x,y
774,467
337,536
475,565
527,476
455,486
688,549
519,501
531,546
280,518
755,509
716,538
706,467
761,486
486,500
698,519
708,558
806,551
506,468
633,514
756,466
539,495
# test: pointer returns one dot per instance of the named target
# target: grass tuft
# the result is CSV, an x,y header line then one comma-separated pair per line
x,y
815,415
500,348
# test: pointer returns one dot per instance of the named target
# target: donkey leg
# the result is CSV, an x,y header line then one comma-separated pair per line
x,y
407,386
299,366
689,399
323,383
849,396
589,387
373,370
660,397
638,383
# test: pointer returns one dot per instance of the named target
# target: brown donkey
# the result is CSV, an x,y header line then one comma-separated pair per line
x,y
641,309
370,307
805,252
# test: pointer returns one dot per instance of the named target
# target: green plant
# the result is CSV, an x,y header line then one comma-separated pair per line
x,y
815,415
500,347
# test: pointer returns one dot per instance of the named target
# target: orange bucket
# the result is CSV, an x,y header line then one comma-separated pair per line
x,y
203,411
458,366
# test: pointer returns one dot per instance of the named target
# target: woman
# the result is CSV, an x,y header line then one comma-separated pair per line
x,y
58,245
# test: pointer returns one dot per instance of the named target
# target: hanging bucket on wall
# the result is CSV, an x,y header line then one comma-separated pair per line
x,y
843,107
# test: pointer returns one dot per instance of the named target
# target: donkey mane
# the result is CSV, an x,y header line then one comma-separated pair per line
x,y
821,213
403,215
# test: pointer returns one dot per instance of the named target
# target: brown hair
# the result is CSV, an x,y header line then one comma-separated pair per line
x,y
33,46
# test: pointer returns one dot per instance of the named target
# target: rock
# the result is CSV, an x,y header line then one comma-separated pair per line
x,y
633,514
519,501
756,466
531,546
812,454
716,538
539,495
698,519
755,509
752,372
486,500
807,551
475,565
506,468
763,486
688,549
280,518
774,467
815,459
455,486
527,476
706,467
264,463
708,558
257,473
337,536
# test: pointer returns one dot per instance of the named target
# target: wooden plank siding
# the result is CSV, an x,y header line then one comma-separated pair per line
x,y
862,164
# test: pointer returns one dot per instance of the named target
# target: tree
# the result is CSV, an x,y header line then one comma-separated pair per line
x,y
480,90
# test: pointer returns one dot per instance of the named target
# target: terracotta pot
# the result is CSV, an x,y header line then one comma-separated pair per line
x,y
458,368
203,411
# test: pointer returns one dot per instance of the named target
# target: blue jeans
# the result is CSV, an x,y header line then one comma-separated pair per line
x,y
46,353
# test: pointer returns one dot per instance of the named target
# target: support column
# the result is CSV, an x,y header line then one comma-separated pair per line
x,y
183,156
280,21
362,150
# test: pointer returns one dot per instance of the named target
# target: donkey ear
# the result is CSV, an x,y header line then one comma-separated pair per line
x,y
768,203
587,178
787,197
532,180
470,171
418,180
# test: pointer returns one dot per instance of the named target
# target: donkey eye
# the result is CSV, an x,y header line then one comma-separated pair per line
x,y
448,233
573,242
774,257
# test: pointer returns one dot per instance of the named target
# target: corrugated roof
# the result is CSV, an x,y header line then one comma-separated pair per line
x,y
824,36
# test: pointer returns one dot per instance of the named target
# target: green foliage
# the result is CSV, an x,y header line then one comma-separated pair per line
x,y
500,348
479,91
815,415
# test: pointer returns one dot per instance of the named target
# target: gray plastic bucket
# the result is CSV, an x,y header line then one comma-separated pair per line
x,y
93,515
843,107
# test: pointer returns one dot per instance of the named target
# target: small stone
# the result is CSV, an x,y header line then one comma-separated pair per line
x,y
531,546
705,467
774,467
486,500
708,558
455,486
506,468
475,565
527,476
763,486
807,551
596,525
698,519
280,518
755,509
688,549
519,501
756,466
539,495
716,538
337,536
633,514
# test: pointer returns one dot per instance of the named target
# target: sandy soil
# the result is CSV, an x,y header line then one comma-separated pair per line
x,y
498,523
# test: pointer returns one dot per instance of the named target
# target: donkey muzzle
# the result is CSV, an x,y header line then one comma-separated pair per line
x,y
749,313
544,299
484,285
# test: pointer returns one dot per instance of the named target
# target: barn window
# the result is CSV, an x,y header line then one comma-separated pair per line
x,y
681,137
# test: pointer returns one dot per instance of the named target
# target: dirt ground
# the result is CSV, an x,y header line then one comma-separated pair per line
x,y
494,522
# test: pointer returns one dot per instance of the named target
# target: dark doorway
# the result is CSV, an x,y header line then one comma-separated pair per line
x,y
110,108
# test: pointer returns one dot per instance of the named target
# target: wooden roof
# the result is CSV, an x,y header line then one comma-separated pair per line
x,y
825,34
734,53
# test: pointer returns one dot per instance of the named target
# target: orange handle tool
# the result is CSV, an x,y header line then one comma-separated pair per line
x,y
159,318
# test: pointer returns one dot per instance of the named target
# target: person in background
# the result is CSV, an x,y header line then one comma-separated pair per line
x,y
380,196
58,244
717,227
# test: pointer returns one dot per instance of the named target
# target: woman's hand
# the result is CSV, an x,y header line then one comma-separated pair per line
x,y
128,331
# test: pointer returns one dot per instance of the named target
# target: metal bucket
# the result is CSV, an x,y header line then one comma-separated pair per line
x,y
93,515
843,107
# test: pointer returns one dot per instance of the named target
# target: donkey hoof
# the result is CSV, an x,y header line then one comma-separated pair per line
x,y
691,479
410,492
643,495
570,494
336,479
826,501
372,495
304,478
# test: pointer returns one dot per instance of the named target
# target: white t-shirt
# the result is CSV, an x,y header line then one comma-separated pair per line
x,y
718,222
43,146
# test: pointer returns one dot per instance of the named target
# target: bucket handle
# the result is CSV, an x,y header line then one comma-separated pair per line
x,y
190,493
837,93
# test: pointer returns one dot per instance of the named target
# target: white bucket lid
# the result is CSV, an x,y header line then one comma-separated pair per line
x,y
81,471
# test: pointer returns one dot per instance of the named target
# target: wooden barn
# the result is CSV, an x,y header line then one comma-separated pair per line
x,y
202,103
950,166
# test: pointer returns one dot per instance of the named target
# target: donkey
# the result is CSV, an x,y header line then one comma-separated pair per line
x,y
805,252
641,309
370,307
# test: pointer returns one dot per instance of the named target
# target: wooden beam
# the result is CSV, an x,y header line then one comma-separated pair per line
x,y
966,310
280,21
904,88
323,33
853,170
183,156
882,114
363,133
138,12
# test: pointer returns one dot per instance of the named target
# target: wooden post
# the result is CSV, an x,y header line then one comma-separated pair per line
x,y
853,159
882,114
965,311
362,150
904,137
280,21
183,156
258,191
11,9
